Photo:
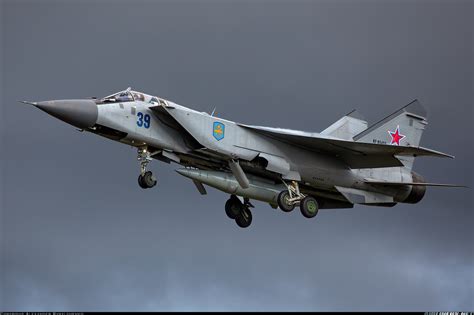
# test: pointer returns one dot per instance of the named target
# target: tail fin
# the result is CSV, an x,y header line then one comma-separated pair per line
x,y
404,127
346,127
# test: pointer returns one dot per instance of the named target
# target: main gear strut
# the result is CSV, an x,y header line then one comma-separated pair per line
x,y
288,199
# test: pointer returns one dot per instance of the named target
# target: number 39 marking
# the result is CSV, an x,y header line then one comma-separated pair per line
x,y
143,120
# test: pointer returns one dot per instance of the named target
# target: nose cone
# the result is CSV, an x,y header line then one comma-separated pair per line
x,y
79,113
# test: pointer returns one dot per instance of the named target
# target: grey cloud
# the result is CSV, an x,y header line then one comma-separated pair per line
x,y
78,234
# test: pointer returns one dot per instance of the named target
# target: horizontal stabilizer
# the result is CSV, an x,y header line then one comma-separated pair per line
x,y
378,182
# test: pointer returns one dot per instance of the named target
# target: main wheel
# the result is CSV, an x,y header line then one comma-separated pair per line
x,y
244,218
148,179
141,183
283,201
233,206
309,207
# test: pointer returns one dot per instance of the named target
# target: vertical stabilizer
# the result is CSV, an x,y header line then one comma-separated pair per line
x,y
404,127
346,127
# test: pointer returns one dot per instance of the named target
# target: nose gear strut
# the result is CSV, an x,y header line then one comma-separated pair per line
x,y
146,178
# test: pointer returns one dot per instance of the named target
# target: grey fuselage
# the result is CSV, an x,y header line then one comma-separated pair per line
x,y
337,166
195,145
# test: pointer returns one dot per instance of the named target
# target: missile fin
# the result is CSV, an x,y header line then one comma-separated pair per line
x,y
200,187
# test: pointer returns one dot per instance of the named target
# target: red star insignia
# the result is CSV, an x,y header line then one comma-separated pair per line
x,y
396,136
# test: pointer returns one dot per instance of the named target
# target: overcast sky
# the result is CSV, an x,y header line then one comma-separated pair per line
x,y
79,234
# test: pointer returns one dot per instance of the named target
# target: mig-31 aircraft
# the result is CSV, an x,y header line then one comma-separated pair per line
x,y
347,163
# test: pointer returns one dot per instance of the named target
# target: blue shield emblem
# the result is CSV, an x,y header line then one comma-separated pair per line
x,y
218,130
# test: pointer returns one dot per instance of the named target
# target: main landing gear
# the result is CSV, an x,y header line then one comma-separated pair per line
x,y
146,178
238,211
288,199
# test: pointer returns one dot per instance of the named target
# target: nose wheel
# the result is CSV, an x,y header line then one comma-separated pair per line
x,y
146,178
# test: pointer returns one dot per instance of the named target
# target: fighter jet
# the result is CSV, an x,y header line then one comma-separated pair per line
x,y
347,163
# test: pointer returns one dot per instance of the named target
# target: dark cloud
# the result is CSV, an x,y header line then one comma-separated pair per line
x,y
78,234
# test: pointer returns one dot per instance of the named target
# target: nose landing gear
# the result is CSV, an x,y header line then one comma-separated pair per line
x,y
146,178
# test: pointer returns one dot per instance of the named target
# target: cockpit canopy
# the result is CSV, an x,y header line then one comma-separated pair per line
x,y
127,96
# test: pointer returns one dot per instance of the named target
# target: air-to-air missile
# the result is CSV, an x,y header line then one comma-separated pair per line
x,y
258,188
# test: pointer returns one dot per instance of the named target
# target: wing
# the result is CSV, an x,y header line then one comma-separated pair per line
x,y
354,154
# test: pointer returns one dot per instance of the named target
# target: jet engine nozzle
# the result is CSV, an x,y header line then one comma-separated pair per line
x,y
417,192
